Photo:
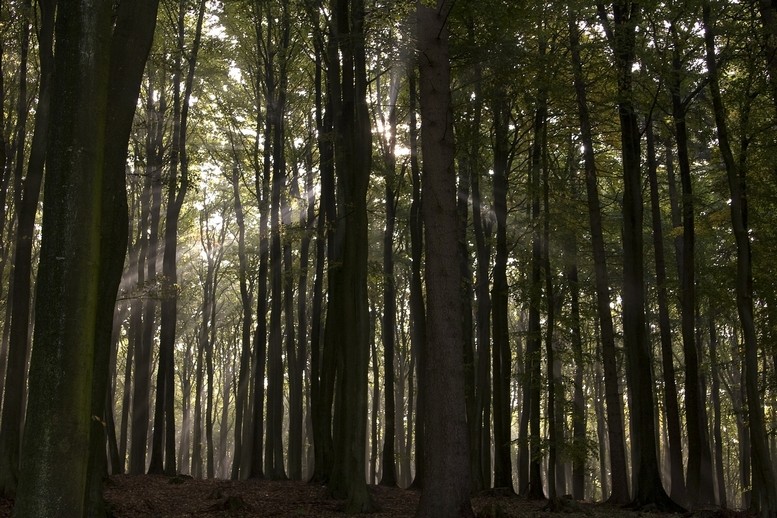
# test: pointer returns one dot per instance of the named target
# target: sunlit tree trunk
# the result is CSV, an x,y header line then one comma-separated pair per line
x,y
389,320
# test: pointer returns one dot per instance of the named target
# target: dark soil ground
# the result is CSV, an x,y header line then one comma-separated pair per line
x,y
161,497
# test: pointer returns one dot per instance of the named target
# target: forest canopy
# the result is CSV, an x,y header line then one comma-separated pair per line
x,y
445,245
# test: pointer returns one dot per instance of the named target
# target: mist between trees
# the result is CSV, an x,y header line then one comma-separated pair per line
x,y
448,245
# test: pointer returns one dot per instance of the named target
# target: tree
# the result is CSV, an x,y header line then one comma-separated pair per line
x,y
13,409
622,37
348,299
620,491
764,499
178,184
446,455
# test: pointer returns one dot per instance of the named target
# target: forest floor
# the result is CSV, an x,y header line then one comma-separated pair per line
x,y
162,497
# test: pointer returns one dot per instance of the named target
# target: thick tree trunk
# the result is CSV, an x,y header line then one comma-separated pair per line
x,y
446,494
353,152
131,41
54,461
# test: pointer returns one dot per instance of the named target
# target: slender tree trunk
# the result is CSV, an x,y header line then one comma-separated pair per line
x,y
417,306
699,474
468,172
720,482
533,373
389,321
164,415
320,378
671,409
579,414
649,490
246,299
28,192
197,470
615,426
764,498
502,369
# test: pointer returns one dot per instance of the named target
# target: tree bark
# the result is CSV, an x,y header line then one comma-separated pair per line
x,y
55,459
446,494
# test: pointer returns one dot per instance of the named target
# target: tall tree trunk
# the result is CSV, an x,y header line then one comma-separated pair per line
x,y
502,370
764,498
671,409
28,193
469,172
720,482
178,184
615,426
533,374
321,378
246,299
197,468
579,414
353,152
699,474
130,44
649,490
446,455
417,306
389,321
54,476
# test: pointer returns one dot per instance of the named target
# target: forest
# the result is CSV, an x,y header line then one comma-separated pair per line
x,y
447,246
